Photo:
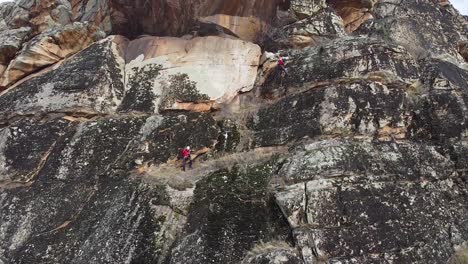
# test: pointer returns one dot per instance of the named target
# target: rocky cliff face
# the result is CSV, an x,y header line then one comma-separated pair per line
x,y
359,154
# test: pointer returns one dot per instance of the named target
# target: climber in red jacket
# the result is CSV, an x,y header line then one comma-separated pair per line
x,y
186,157
281,66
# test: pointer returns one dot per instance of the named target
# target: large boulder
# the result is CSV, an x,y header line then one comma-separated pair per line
x,y
160,74
48,48
199,70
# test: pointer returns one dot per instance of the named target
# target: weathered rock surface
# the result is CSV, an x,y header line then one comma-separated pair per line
x,y
354,12
11,43
303,9
359,154
162,17
224,221
90,82
314,30
376,210
200,69
406,23
89,162
48,48
463,49
246,28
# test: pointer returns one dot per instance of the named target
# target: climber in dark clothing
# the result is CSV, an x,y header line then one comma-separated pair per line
x,y
186,157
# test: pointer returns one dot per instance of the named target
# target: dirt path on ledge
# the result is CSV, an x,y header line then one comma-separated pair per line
x,y
171,173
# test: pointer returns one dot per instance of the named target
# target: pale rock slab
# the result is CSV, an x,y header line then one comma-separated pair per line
x,y
213,68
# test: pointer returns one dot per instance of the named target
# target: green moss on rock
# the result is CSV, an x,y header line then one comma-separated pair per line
x,y
232,211
180,89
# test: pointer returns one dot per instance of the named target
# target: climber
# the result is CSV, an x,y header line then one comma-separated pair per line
x,y
186,157
281,66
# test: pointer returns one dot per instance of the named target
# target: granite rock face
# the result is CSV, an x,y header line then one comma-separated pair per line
x,y
402,23
358,153
48,48
384,203
202,69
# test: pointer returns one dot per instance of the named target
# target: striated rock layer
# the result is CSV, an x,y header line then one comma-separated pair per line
x,y
358,154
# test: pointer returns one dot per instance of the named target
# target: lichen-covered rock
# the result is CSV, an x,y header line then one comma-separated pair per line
x,y
67,185
314,30
18,163
67,194
306,8
433,108
441,102
229,137
359,108
407,23
348,57
176,132
232,211
90,82
376,209
269,254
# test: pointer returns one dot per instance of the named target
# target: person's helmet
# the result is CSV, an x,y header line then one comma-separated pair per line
x,y
188,147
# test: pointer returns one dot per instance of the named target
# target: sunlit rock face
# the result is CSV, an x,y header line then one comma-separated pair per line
x,y
201,69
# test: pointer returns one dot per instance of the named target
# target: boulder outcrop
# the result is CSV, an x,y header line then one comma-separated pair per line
x,y
48,48
201,69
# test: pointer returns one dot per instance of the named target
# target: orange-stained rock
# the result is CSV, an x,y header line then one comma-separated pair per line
x,y
194,107
463,50
49,48
353,12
